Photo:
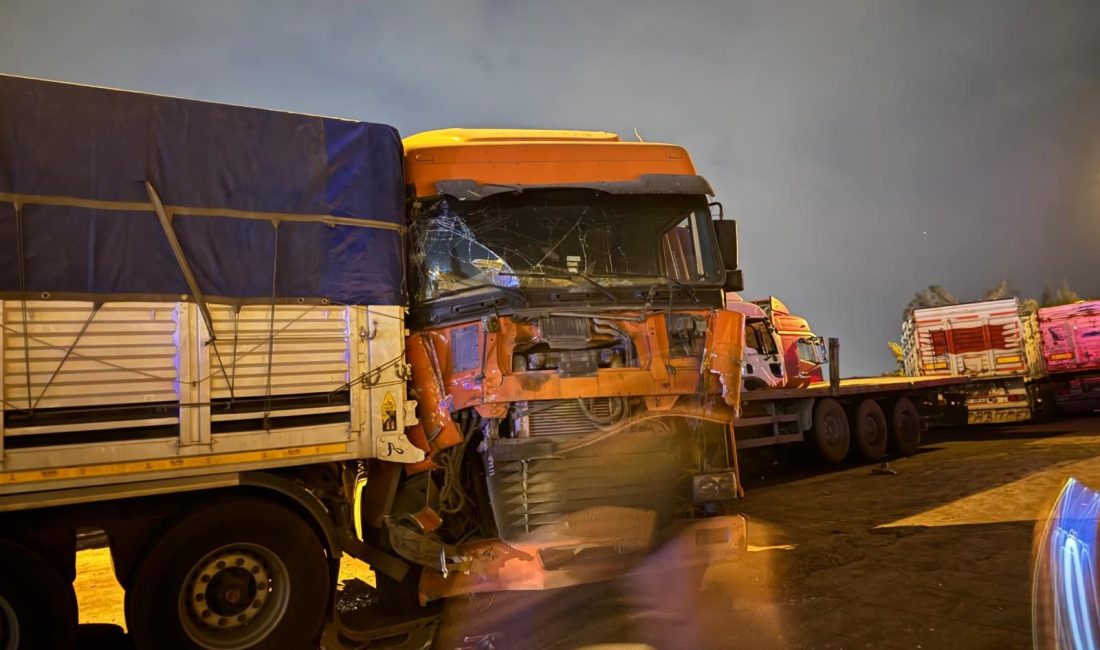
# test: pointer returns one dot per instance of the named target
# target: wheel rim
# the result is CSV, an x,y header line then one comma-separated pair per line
x,y
9,626
908,427
234,597
833,437
872,433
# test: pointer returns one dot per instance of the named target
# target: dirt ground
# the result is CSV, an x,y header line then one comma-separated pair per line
x,y
937,555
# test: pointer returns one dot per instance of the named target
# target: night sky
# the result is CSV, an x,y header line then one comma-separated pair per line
x,y
867,148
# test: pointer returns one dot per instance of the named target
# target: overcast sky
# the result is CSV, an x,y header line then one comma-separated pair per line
x,y
867,148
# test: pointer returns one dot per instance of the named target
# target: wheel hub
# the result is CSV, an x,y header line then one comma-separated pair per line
x,y
832,431
230,590
870,426
234,597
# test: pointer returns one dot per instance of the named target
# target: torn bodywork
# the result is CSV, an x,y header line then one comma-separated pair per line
x,y
575,372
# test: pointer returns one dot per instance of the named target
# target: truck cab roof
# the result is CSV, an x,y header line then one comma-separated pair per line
x,y
518,158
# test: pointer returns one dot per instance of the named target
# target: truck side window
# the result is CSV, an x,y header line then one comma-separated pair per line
x,y
680,250
759,338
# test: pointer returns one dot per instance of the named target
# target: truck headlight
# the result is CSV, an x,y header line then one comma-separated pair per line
x,y
713,486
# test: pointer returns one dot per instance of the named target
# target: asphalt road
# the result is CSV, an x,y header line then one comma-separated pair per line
x,y
937,555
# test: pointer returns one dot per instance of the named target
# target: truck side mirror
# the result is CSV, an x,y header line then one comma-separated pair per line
x,y
734,280
811,349
726,234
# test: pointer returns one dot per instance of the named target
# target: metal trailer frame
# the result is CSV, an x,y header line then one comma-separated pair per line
x,y
787,408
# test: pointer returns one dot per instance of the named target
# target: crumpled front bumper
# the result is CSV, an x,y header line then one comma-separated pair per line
x,y
494,565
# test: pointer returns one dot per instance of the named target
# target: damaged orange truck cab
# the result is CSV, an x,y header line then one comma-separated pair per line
x,y
576,375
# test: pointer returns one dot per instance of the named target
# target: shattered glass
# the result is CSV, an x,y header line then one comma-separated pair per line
x,y
555,238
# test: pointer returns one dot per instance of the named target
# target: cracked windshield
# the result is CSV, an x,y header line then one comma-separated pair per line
x,y
561,239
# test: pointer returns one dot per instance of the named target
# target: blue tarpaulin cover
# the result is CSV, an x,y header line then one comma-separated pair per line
x,y
76,218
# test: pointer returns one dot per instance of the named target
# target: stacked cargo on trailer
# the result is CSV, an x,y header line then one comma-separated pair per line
x,y
1070,337
785,399
993,343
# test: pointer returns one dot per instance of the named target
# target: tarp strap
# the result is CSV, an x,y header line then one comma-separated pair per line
x,y
165,220
190,211
21,254
166,223
233,357
271,326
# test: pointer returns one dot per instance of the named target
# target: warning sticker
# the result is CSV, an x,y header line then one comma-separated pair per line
x,y
389,412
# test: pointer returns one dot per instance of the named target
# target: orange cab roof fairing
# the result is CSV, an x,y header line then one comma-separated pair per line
x,y
534,157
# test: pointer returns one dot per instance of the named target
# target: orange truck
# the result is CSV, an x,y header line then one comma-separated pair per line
x,y
575,372
787,400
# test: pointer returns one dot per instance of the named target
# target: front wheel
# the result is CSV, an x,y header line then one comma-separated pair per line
x,y
239,575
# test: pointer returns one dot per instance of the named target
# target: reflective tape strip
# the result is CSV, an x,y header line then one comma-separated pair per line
x,y
168,464
1009,359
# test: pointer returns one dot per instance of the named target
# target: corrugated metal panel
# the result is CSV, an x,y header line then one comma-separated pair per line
x,y
308,346
77,356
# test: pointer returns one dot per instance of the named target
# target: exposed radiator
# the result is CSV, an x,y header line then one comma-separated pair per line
x,y
562,417
537,483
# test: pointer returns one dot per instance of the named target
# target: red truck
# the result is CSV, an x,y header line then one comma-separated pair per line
x,y
785,399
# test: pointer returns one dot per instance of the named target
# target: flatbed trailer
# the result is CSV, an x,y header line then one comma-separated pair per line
x,y
877,414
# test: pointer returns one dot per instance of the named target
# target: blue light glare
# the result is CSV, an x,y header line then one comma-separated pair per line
x,y
1066,611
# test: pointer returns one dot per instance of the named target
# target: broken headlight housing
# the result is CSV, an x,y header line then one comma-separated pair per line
x,y
713,486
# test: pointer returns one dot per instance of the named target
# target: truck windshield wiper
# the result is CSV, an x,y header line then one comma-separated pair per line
x,y
515,291
669,281
566,275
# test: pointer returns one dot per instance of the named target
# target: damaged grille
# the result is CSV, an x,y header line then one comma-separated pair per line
x,y
564,332
563,417
542,487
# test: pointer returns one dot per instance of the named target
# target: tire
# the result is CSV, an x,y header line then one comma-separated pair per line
x,y
904,427
37,606
831,431
870,431
239,574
